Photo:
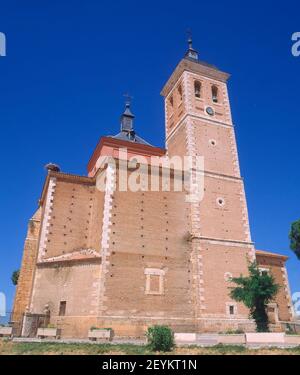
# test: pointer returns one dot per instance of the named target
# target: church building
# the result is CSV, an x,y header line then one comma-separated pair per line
x,y
99,255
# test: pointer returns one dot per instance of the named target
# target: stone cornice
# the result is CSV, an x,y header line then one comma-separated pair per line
x,y
83,255
132,147
221,240
263,253
195,67
66,177
72,177
69,262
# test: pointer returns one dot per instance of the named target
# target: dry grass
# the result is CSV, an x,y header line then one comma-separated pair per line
x,y
235,350
22,348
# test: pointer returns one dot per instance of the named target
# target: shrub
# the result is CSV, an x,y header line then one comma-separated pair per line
x,y
160,338
238,332
233,332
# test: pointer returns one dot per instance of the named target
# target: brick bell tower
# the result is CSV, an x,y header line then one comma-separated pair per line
x,y
198,123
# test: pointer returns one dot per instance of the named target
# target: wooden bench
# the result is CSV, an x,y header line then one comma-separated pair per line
x,y
265,338
5,331
48,332
100,334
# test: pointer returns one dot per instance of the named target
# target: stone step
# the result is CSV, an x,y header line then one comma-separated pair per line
x,y
206,339
206,343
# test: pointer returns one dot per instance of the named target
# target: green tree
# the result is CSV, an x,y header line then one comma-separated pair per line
x,y
15,277
255,292
295,238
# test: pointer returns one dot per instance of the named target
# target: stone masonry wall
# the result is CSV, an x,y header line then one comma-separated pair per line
x,y
23,290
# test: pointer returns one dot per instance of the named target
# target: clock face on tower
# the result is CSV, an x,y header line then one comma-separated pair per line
x,y
210,111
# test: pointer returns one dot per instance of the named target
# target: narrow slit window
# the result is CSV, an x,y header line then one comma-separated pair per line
x,y
214,93
197,89
180,92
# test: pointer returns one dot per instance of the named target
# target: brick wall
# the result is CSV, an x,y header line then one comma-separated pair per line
x,y
69,263
276,266
75,283
76,218
148,230
219,223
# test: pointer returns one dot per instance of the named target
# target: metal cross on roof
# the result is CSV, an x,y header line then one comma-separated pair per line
x,y
191,52
189,37
128,99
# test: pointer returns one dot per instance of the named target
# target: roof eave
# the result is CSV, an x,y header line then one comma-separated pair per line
x,y
197,67
272,255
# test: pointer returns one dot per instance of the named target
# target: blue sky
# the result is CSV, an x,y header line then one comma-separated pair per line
x,y
68,64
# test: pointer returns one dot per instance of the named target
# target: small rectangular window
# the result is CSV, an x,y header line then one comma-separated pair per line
x,y
154,281
264,271
231,310
62,308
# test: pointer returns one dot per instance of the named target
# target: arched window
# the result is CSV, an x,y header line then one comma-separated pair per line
x,y
197,89
180,92
214,94
171,101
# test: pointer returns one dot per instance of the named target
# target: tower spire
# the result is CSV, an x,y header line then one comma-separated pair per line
x,y
191,53
127,117
127,132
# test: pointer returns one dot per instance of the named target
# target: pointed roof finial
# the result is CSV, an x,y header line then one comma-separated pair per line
x,y
128,99
127,131
191,52
190,38
127,117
